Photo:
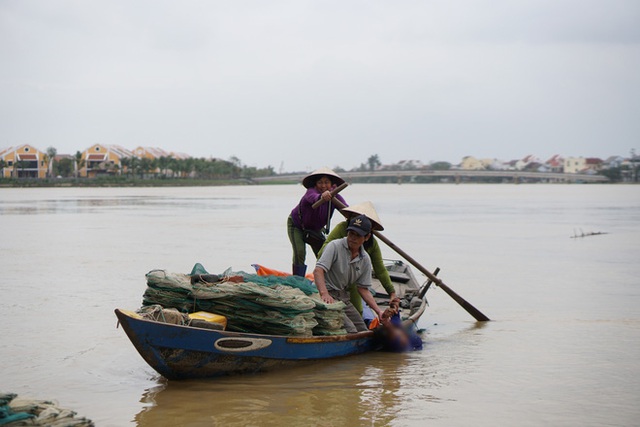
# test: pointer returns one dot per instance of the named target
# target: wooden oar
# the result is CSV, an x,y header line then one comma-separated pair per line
x,y
424,290
457,298
333,194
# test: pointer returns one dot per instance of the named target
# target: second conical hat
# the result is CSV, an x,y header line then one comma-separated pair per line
x,y
367,209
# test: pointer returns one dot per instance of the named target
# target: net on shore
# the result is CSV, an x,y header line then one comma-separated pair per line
x,y
273,305
15,411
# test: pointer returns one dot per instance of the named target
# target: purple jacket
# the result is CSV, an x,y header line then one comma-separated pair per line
x,y
312,219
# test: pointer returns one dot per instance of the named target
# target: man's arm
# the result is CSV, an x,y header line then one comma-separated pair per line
x,y
318,276
368,298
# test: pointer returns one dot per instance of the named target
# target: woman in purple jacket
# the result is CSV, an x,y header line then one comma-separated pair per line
x,y
306,225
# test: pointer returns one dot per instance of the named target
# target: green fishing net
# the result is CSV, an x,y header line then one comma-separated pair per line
x,y
276,305
15,411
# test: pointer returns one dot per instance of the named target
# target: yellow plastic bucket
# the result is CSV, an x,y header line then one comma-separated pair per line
x,y
209,317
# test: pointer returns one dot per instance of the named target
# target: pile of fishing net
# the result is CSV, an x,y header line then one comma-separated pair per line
x,y
275,305
25,412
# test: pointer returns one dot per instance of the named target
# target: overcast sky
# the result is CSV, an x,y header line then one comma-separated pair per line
x,y
298,84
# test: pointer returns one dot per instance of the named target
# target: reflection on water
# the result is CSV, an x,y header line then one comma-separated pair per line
x,y
101,204
370,389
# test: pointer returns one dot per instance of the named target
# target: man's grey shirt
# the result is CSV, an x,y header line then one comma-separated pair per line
x,y
340,270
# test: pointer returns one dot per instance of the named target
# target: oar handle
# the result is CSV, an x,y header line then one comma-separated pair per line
x,y
333,194
426,287
457,298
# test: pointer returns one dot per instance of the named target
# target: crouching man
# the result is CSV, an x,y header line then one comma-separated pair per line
x,y
342,263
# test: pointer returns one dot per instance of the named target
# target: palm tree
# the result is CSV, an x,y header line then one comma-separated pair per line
x,y
145,166
79,162
174,166
19,165
125,163
134,164
189,166
163,163
154,167
51,154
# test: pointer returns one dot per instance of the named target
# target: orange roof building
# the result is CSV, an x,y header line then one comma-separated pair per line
x,y
23,161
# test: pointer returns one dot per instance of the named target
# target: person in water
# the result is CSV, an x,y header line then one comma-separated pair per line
x,y
342,263
305,225
393,335
371,246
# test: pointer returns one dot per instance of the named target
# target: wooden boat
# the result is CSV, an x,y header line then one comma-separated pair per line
x,y
182,352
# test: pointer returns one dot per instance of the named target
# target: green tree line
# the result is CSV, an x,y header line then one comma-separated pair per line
x,y
162,167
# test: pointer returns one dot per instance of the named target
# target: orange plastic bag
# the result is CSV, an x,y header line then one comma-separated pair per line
x,y
374,323
265,271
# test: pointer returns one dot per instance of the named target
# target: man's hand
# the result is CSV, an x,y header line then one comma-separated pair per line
x,y
318,277
327,298
394,303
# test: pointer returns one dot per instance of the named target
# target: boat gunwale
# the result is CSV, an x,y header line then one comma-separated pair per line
x,y
294,339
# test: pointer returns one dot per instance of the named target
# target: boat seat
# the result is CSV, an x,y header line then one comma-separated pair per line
x,y
397,276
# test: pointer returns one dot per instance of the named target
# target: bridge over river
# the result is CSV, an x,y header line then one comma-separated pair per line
x,y
456,176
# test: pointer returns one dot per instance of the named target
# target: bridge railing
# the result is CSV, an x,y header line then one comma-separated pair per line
x,y
455,174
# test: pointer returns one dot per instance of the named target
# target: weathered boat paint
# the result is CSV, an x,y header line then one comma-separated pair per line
x,y
181,352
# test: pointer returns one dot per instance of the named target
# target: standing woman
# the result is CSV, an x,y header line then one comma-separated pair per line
x,y
306,225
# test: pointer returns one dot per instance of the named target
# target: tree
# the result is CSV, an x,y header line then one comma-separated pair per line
x,y
235,161
174,166
64,167
146,165
614,174
51,154
80,162
189,166
163,164
125,163
134,165
20,165
373,162
441,166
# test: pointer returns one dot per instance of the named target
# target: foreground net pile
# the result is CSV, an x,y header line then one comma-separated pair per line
x,y
23,412
257,304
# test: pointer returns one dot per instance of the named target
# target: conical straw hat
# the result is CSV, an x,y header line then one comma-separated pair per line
x,y
366,209
310,180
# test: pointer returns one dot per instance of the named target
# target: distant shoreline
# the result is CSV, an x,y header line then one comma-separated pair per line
x,y
128,182
182,182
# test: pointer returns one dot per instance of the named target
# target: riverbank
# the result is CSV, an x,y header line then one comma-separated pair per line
x,y
276,180
128,182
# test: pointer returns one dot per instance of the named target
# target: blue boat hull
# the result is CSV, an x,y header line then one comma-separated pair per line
x,y
182,352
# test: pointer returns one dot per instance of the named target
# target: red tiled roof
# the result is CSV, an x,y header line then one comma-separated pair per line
x,y
95,157
27,157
